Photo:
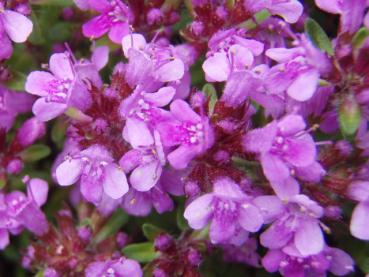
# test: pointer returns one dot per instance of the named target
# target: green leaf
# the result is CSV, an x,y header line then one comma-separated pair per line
x,y
143,252
349,116
58,133
318,37
181,221
211,93
360,37
261,16
116,221
151,231
61,3
35,152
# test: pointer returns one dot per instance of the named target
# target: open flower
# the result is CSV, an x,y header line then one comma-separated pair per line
x,y
230,52
58,90
285,149
291,264
13,26
297,223
230,210
146,159
97,172
122,267
115,17
186,129
16,208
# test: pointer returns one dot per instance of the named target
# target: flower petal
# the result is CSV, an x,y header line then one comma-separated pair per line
x,y
68,172
37,189
100,57
115,182
45,111
144,177
304,86
274,168
17,26
38,83
96,27
61,66
138,134
199,211
309,238
162,97
135,41
359,225
260,140
118,31
301,152
217,68
221,230
170,71
250,218
4,239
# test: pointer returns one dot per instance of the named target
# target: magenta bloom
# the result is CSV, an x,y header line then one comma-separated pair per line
x,y
189,131
147,107
115,17
289,10
97,172
231,212
11,104
58,90
229,52
151,63
290,264
351,12
285,150
18,211
293,73
359,226
121,267
13,26
146,159
297,224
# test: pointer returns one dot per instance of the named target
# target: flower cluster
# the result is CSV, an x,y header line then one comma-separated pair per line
x,y
195,130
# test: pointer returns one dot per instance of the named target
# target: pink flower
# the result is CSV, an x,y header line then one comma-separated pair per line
x,y
115,17
13,26
58,90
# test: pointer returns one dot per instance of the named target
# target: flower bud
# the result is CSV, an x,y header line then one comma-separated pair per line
x,y
163,242
31,130
15,166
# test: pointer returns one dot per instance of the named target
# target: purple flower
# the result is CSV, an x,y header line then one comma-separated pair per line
x,y
359,225
11,104
297,223
189,131
121,267
58,90
18,210
31,130
352,12
293,73
289,10
151,64
13,26
231,212
97,172
285,149
115,17
140,203
245,253
146,159
291,264
229,52
147,106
